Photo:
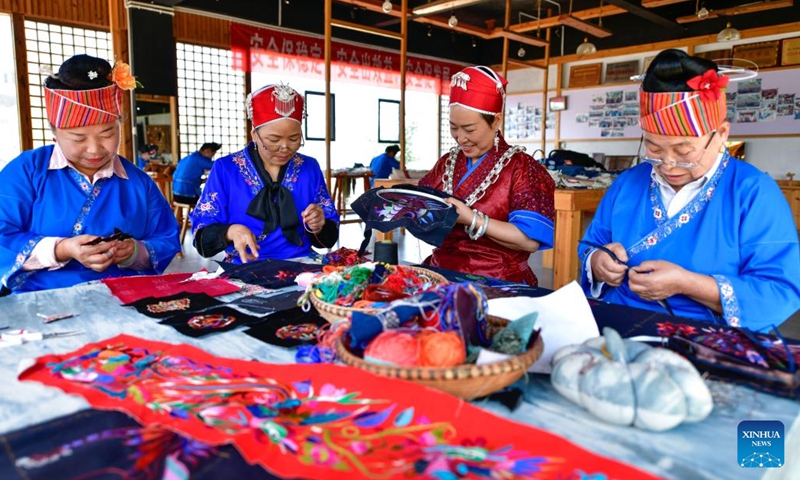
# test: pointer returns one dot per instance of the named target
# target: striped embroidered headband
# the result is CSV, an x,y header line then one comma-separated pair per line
x,y
81,108
686,114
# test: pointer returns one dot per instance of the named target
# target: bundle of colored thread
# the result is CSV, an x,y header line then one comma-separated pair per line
x,y
424,348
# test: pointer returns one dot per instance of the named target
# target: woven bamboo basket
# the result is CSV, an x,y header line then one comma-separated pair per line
x,y
463,381
331,312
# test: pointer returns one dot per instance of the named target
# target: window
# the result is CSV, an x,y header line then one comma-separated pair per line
x,y
9,117
446,141
48,46
211,99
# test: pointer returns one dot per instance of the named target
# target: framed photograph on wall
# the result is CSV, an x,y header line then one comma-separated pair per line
x,y
388,121
315,116
558,103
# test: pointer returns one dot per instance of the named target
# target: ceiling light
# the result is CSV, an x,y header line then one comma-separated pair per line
x,y
430,31
702,14
521,52
586,47
474,43
452,21
387,6
729,34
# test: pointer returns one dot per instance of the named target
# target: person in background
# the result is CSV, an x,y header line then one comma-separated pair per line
x,y
383,164
59,199
146,152
507,209
694,231
267,200
190,170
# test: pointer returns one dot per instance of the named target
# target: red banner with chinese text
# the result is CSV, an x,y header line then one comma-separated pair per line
x,y
273,51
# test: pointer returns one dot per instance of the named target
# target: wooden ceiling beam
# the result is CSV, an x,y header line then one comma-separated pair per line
x,y
605,11
585,27
365,29
741,10
660,3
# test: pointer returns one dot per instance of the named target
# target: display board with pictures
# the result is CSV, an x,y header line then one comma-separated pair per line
x,y
523,120
610,112
766,105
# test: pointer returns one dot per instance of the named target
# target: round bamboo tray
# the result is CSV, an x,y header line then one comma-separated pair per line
x,y
331,312
463,381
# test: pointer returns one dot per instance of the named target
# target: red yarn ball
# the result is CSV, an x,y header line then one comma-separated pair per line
x,y
441,349
393,347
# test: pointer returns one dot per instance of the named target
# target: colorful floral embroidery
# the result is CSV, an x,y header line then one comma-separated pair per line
x,y
212,321
77,227
730,304
665,227
292,172
248,172
20,260
293,421
304,332
169,306
323,199
151,251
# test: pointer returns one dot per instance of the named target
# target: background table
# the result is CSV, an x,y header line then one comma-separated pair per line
x,y
706,450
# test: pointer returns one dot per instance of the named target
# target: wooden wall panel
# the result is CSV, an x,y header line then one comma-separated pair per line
x,y
88,13
201,30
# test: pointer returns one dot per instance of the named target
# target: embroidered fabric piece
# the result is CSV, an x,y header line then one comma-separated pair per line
x,y
269,273
421,210
213,320
167,306
266,304
289,328
759,361
94,443
131,289
314,421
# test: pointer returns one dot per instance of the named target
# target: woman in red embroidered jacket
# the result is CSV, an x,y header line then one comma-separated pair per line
x,y
503,196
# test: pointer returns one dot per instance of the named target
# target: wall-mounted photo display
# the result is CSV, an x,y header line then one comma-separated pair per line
x,y
621,71
315,116
388,121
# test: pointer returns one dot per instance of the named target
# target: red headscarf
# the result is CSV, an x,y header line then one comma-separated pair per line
x,y
274,102
479,89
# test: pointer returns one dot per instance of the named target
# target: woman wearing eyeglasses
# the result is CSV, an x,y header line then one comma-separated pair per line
x,y
691,229
266,201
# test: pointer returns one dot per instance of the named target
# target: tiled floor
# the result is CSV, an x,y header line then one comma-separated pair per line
x,y
410,250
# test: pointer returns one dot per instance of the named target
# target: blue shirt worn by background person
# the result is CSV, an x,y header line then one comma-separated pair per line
x,y
141,162
186,179
232,185
737,229
40,202
382,166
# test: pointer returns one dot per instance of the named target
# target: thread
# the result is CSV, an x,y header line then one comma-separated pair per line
x,y
441,349
394,347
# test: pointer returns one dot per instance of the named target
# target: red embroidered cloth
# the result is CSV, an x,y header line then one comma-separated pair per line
x,y
315,421
131,289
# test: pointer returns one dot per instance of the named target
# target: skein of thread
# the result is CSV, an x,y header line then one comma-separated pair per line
x,y
441,349
395,348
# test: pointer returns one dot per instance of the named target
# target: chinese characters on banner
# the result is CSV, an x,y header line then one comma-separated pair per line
x,y
272,51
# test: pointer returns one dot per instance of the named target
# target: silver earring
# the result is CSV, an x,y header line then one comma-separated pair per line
x,y
497,140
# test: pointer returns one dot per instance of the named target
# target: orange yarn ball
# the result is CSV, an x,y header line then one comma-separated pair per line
x,y
441,349
393,347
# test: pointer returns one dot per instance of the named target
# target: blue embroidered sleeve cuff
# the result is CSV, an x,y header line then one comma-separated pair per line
x,y
730,304
536,226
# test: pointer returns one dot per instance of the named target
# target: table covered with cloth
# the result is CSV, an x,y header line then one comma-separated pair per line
x,y
705,450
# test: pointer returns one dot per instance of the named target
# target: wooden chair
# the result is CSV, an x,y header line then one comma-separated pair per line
x,y
182,211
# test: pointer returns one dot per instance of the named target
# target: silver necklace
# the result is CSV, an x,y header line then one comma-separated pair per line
x,y
491,178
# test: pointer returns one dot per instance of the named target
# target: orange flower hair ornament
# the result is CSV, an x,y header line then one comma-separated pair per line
x,y
708,85
121,75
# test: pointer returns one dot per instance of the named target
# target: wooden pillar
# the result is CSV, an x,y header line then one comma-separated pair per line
x,y
506,46
328,122
118,21
23,82
544,87
403,61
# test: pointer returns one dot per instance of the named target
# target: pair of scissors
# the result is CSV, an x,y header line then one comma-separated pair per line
x,y
614,257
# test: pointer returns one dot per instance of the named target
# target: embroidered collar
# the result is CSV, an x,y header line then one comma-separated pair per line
x,y
58,161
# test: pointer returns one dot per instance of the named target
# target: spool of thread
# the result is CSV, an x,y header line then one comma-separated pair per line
x,y
441,349
395,348
386,252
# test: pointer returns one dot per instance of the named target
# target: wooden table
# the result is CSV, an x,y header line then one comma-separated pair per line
x,y
339,196
570,206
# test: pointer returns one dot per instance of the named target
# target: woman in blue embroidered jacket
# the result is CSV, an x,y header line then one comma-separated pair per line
x,y
266,201
693,229
58,199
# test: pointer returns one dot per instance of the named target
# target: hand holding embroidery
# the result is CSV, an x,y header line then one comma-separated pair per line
x,y
314,218
608,269
93,257
243,241
656,279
